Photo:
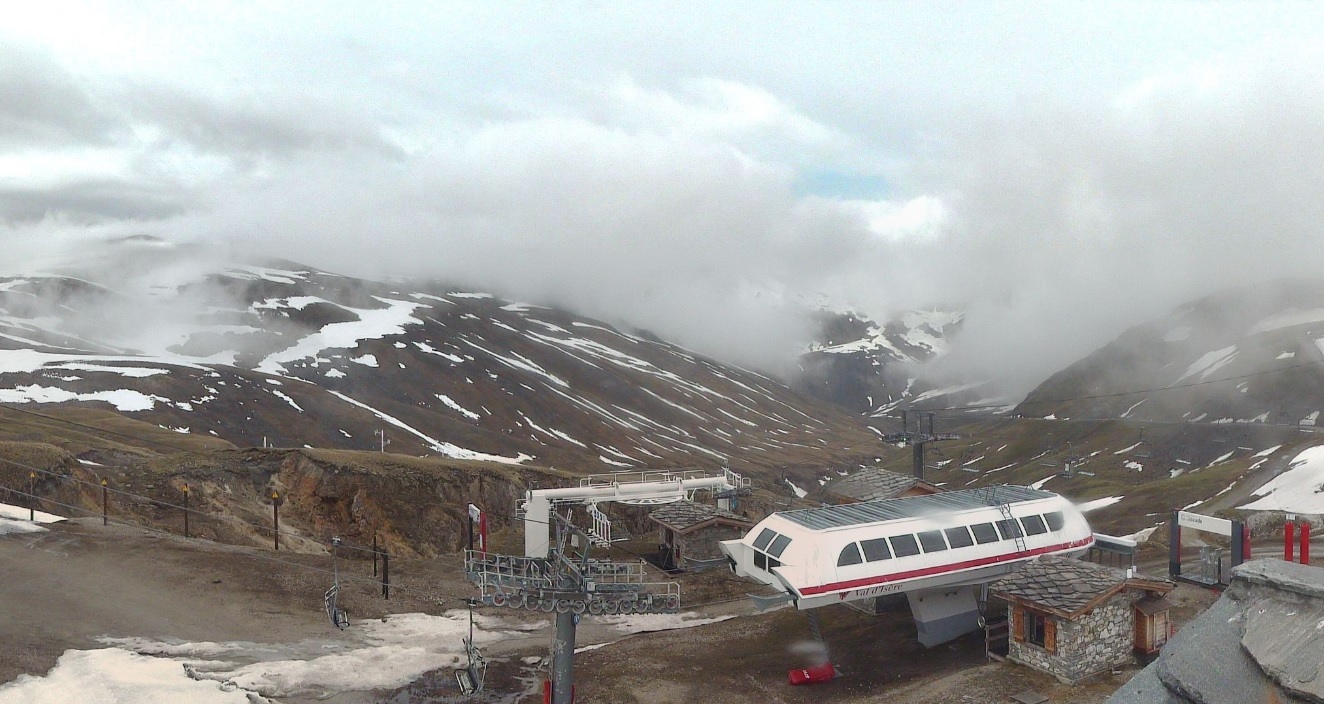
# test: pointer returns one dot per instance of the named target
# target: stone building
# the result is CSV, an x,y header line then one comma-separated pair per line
x,y
691,531
1073,619
875,484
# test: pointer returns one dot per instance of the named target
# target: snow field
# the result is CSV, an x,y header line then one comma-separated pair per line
x,y
1300,489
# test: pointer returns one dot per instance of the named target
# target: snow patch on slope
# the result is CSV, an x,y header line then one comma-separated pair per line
x,y
1300,489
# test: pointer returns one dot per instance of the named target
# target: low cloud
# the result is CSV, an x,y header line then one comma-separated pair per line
x,y
674,206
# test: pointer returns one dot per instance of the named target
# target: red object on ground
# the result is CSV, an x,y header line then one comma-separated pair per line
x,y
547,692
1288,529
1305,543
813,675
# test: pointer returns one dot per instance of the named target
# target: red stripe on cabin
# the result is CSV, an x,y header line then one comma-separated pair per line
x,y
953,567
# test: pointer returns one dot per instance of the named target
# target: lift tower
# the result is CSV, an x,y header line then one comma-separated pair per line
x,y
917,439
568,583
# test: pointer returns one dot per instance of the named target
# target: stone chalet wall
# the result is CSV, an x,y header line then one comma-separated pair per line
x,y
1099,640
702,543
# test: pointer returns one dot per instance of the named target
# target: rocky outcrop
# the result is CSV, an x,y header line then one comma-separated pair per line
x,y
1262,641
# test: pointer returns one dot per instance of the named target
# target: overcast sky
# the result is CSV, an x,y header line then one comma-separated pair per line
x,y
1058,170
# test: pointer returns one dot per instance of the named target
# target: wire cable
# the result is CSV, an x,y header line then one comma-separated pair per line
x,y
237,549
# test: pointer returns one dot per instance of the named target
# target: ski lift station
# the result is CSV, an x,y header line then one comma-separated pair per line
x,y
939,550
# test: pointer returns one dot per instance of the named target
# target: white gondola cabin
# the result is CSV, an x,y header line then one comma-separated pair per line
x,y
928,547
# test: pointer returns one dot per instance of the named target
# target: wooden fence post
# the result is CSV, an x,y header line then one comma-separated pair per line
x,y
186,511
105,500
386,574
32,496
275,518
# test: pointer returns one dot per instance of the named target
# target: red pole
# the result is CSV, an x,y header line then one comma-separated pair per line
x,y
1305,543
1289,529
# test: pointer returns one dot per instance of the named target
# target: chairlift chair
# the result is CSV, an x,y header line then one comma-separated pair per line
x,y
470,678
338,616
1142,448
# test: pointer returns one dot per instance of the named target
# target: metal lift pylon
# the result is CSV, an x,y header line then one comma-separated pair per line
x,y
569,583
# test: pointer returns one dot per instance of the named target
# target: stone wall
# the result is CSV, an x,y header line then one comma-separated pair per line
x,y
1099,640
702,543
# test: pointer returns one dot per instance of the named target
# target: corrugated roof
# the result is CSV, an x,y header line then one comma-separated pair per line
x,y
910,507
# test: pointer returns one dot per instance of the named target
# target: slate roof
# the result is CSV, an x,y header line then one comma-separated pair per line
x,y
871,484
1068,587
683,516
1152,606
1260,642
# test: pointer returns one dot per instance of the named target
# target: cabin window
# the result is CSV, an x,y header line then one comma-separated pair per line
x,y
1009,529
904,546
778,545
959,537
984,533
875,550
850,555
774,562
1055,521
1034,525
1040,630
932,541
764,538
760,561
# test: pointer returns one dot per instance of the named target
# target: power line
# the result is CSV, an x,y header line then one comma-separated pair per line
x,y
167,504
1132,393
93,428
250,552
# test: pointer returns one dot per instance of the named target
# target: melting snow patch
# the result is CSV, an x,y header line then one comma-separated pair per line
x,y
649,623
1209,363
444,448
286,399
1310,419
8,526
1040,484
1097,504
373,324
451,404
1286,355
126,400
425,347
1270,451
1300,489
1125,450
131,372
1178,334
1141,536
113,675
367,360
798,491
394,651
334,374
1287,319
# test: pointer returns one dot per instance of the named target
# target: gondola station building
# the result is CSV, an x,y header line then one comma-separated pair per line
x,y
1073,619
